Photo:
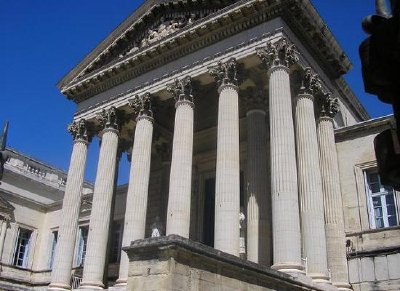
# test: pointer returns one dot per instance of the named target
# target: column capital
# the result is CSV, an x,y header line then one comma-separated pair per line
x,y
225,73
181,90
142,106
79,131
254,98
279,53
329,106
311,83
109,119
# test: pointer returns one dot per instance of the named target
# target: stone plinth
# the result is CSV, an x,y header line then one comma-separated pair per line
x,y
176,263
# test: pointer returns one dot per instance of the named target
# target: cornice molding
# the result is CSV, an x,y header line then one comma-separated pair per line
x,y
371,126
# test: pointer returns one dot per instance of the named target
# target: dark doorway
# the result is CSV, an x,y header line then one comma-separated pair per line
x,y
209,212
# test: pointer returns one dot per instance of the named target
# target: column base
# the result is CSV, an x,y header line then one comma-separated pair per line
x,y
342,286
320,278
117,287
89,286
289,268
59,287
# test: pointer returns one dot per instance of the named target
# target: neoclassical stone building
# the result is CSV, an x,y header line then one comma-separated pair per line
x,y
252,164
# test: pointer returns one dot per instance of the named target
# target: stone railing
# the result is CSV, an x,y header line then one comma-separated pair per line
x,y
32,170
75,282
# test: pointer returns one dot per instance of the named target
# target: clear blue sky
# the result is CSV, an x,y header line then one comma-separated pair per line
x,y
40,41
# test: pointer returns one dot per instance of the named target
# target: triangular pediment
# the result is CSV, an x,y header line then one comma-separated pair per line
x,y
153,21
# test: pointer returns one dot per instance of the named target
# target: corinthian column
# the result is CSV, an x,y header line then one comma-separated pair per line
x,y
62,266
227,184
278,57
180,185
102,201
333,207
259,227
136,200
310,186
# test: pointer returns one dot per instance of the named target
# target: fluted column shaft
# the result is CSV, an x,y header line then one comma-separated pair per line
x,y
63,260
310,190
3,235
101,209
136,200
227,192
259,232
180,185
333,206
285,208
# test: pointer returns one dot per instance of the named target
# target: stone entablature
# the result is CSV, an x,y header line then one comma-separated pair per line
x,y
233,19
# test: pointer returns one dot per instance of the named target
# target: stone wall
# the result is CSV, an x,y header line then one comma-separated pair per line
x,y
179,264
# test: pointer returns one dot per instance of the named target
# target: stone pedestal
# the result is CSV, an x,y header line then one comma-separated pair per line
x,y
333,206
176,263
310,190
136,201
259,232
101,207
65,249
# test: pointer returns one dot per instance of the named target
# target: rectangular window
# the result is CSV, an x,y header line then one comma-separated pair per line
x,y
382,202
115,254
54,237
82,243
21,253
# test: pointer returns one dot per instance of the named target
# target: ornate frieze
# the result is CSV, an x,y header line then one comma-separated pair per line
x,y
181,89
109,118
141,105
79,130
329,105
254,98
225,73
311,83
279,53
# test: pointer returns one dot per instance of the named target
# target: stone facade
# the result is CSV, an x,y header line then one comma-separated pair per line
x,y
245,143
